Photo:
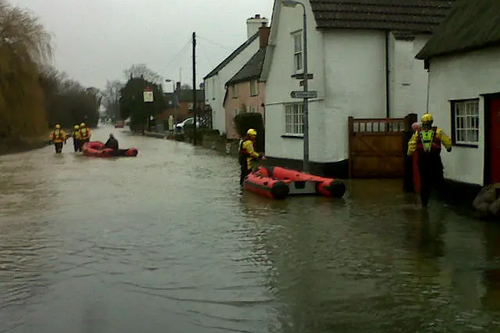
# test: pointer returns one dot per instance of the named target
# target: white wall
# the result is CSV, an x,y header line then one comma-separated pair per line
x,y
408,91
462,77
216,85
280,83
355,85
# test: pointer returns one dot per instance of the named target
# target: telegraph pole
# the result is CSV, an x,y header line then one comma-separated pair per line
x,y
194,86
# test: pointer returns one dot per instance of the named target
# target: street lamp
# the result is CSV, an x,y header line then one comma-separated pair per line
x,y
175,102
292,4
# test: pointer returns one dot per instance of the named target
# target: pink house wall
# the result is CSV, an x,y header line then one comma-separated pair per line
x,y
243,98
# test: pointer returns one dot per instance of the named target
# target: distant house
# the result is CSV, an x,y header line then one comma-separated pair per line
x,y
180,103
362,57
244,91
463,61
215,81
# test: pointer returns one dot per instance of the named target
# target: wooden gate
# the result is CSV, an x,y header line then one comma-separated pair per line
x,y
376,148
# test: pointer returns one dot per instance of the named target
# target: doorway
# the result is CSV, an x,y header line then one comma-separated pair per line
x,y
493,139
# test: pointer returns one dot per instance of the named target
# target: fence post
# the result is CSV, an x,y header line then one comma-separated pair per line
x,y
408,179
350,125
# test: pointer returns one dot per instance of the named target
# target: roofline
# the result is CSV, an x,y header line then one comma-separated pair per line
x,y
464,50
247,79
238,50
268,57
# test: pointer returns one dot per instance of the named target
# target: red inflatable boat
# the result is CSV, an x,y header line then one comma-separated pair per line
x,y
274,188
96,149
327,187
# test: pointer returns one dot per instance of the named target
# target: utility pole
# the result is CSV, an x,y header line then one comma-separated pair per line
x,y
194,86
306,99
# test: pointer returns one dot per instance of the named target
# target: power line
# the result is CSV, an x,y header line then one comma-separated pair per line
x,y
181,52
215,43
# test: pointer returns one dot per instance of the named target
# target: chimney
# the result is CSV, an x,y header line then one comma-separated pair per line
x,y
264,31
254,23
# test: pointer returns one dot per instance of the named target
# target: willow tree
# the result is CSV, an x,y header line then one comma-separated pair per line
x,y
24,47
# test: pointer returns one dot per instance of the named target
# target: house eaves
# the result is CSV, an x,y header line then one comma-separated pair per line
x,y
471,25
251,70
233,55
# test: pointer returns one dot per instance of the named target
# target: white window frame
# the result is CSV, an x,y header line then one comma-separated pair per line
x,y
298,55
236,112
294,119
234,91
253,109
465,122
254,88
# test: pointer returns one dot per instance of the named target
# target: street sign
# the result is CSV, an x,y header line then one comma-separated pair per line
x,y
148,95
310,76
304,94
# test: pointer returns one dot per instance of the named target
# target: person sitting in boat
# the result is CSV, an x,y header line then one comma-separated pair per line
x,y
111,143
247,154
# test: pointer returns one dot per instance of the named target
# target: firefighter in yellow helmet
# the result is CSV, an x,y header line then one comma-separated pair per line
x,y
426,143
247,153
76,137
85,135
58,137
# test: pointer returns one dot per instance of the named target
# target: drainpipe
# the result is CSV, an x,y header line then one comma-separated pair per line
x,y
387,76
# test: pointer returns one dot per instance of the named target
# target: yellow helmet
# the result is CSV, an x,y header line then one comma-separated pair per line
x,y
427,118
77,127
82,125
252,132
58,126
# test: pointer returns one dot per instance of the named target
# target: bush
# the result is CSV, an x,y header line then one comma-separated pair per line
x,y
245,121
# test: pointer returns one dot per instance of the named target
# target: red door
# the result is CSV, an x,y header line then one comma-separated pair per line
x,y
495,140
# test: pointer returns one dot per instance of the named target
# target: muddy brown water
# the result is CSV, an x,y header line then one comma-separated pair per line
x,y
167,242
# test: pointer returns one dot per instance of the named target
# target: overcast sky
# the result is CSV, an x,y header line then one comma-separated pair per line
x,y
95,40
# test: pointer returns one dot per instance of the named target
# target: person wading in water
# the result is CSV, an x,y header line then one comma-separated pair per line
x,y
247,154
427,141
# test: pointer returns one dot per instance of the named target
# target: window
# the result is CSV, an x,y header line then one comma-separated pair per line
x,y
234,91
253,109
297,55
254,88
236,112
213,88
465,122
294,119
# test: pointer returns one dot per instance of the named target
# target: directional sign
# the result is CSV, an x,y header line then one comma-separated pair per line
x,y
310,76
304,94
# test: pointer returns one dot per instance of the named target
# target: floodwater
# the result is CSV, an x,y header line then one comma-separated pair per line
x,y
166,242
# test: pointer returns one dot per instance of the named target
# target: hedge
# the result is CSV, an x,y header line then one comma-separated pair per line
x,y
245,121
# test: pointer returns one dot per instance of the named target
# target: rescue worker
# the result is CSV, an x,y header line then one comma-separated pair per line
x,y
76,137
426,142
112,143
247,154
85,135
58,137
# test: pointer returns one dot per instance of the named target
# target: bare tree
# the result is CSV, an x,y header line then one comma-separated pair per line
x,y
111,98
142,71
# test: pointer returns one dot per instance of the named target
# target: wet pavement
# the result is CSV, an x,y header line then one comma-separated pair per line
x,y
166,242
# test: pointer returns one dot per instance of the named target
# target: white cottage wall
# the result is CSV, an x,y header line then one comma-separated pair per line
x,y
355,85
462,77
280,84
216,85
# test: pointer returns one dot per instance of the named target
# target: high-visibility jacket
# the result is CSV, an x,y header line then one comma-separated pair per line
x,y
58,135
428,141
85,133
75,134
247,153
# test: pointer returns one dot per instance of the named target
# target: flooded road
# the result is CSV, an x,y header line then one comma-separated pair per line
x,y
166,242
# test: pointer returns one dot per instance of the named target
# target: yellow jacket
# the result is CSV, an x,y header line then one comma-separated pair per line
x,y
246,146
438,139
84,133
58,135
76,135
